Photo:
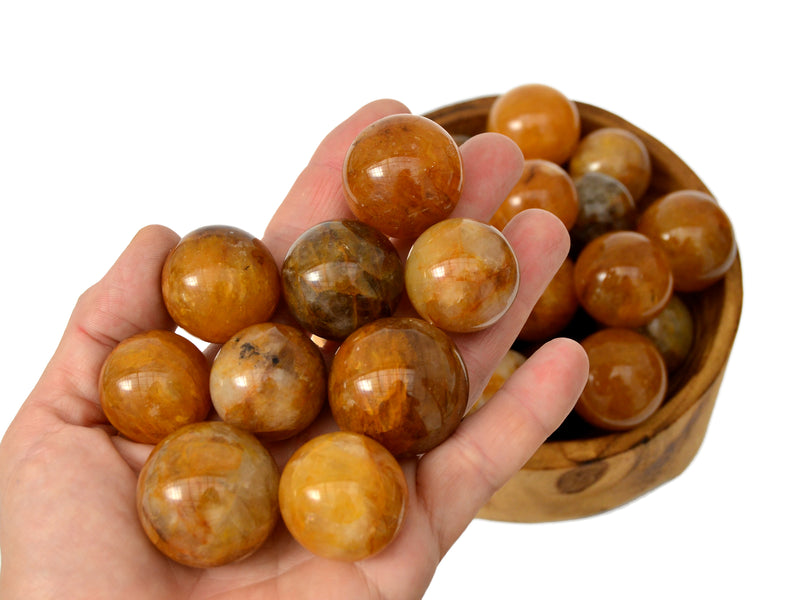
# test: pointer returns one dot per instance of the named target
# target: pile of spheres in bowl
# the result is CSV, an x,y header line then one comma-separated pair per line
x,y
211,492
652,289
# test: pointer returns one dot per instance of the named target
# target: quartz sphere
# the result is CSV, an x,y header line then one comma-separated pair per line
x,y
615,152
402,174
269,379
622,279
540,119
696,235
544,185
343,496
511,361
555,308
672,331
339,275
461,275
605,205
208,494
152,384
218,280
627,379
400,381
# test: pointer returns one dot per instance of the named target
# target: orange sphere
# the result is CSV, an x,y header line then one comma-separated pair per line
x,y
154,383
555,308
615,152
540,119
672,331
343,496
219,280
400,381
544,185
402,174
269,379
696,236
622,279
461,275
208,495
627,379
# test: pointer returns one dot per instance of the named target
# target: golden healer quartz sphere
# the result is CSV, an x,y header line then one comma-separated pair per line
x,y
402,174
343,496
208,495
540,119
400,381
152,384
218,280
461,275
269,379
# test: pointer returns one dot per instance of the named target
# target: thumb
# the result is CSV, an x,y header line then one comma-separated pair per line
x,y
126,301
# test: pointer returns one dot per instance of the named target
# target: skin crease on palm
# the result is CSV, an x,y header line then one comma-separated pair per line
x,y
68,524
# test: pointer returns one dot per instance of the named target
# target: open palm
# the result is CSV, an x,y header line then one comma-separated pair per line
x,y
68,524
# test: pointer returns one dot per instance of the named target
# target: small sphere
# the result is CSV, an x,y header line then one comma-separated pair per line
x,y
402,174
627,380
218,280
269,379
511,361
343,496
615,152
461,275
340,275
544,185
672,331
622,279
154,383
541,120
400,381
208,495
696,235
605,205
555,308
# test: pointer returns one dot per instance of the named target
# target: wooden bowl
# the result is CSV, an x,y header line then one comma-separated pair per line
x,y
571,478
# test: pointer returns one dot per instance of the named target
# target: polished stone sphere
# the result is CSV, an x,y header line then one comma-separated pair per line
x,y
400,381
402,174
269,379
605,205
543,184
622,279
627,379
152,384
208,495
672,331
340,275
555,308
218,280
696,236
461,275
540,119
343,496
616,152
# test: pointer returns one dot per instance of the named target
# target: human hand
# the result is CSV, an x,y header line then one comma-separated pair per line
x,y
68,523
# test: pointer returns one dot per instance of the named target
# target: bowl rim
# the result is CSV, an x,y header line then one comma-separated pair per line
x,y
561,454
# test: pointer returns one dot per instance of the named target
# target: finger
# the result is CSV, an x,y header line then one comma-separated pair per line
x,y
126,301
492,166
489,447
541,244
317,194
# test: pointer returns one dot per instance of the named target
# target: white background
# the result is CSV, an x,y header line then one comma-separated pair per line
x,y
114,115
